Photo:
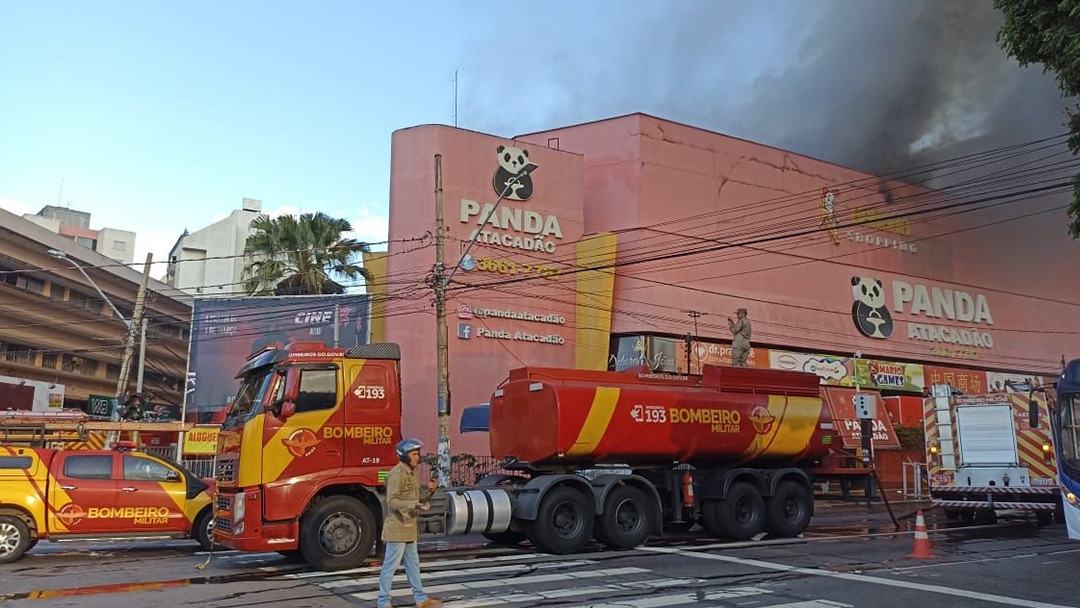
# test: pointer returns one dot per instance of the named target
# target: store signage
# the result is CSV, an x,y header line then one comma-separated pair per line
x,y
519,336
100,407
512,227
201,440
873,318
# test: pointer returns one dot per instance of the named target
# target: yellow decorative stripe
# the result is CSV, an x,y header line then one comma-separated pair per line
x,y
596,423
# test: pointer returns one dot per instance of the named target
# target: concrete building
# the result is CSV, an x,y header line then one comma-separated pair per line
x,y
75,225
57,332
209,261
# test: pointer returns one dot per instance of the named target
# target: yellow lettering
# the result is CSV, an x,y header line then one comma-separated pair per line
x,y
712,417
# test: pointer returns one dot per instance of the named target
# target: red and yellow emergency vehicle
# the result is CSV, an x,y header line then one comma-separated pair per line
x,y
61,495
304,450
984,456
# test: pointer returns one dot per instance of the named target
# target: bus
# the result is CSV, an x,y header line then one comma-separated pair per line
x,y
1066,430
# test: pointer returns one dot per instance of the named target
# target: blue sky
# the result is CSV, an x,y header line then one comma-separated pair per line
x,y
160,116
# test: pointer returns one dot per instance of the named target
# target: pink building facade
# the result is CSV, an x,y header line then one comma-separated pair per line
x,y
629,226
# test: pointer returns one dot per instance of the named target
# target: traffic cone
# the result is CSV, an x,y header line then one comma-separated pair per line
x,y
922,540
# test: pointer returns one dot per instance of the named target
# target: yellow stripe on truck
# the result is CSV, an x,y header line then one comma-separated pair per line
x,y
596,423
794,422
276,456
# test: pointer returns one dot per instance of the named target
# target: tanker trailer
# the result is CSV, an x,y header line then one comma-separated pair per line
x,y
731,449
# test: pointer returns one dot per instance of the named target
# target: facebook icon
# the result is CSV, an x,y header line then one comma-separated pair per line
x,y
464,331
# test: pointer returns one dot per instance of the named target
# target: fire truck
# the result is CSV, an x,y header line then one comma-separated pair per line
x,y
984,456
309,439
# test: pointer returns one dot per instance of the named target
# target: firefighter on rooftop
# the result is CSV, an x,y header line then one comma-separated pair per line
x,y
740,345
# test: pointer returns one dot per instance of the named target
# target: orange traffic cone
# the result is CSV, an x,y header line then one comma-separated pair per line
x,y
922,540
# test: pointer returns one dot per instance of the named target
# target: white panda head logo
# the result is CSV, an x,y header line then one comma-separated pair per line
x,y
509,182
869,312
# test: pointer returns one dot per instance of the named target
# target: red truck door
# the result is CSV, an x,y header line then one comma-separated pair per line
x,y
309,443
151,495
83,493
372,413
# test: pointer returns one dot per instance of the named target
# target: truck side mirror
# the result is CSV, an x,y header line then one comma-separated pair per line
x,y
1033,414
292,391
172,476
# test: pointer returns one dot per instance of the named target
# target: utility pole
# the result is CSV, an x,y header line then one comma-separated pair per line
x,y
337,325
695,315
129,340
142,359
440,281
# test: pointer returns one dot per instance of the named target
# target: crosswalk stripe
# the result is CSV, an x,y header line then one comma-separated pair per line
x,y
427,565
553,594
812,604
681,598
475,572
513,582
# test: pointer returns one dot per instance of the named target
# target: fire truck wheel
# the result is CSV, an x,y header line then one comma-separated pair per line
x,y
564,522
741,515
680,527
624,524
203,530
14,538
787,513
337,533
1044,518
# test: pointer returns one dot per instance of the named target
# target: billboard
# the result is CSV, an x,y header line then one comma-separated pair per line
x,y
30,395
225,332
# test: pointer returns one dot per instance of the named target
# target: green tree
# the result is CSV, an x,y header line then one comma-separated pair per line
x,y
290,256
1047,32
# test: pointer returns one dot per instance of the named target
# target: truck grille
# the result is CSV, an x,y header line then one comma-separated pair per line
x,y
224,524
224,502
226,470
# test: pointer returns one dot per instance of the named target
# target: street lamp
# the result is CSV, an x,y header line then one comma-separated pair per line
x,y
60,255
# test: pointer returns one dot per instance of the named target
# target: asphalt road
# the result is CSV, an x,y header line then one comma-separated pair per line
x,y
849,558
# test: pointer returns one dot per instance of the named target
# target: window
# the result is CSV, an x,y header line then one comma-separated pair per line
x,y
88,467
137,468
57,293
86,242
318,390
119,246
1070,431
17,353
30,284
49,360
15,462
82,300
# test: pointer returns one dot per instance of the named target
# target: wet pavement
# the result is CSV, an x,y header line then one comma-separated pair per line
x,y
851,556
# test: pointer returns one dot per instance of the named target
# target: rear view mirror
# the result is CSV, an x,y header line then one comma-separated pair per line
x,y
287,407
172,476
1033,414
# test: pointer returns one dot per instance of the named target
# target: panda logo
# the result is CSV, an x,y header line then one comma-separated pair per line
x,y
511,161
869,312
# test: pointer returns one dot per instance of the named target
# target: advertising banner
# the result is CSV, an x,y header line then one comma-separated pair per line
x,y
832,370
711,353
101,407
970,381
887,375
848,425
226,331
201,441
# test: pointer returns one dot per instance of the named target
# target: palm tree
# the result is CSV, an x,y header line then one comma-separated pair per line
x,y
290,257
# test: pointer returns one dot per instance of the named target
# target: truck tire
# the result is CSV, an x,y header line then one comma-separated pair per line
x,y
740,516
14,538
564,522
788,511
624,524
679,527
1044,518
337,533
203,529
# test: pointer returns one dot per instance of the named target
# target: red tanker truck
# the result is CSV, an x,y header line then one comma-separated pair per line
x,y
614,456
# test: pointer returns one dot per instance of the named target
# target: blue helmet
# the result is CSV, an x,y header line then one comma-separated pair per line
x,y
407,445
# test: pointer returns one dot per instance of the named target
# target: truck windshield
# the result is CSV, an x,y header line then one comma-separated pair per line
x,y
250,395
1070,431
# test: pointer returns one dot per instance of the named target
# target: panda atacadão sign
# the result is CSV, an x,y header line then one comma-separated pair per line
x,y
872,317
